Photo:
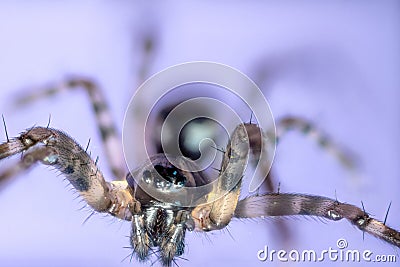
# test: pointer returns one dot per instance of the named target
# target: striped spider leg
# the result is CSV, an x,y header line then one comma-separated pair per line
x,y
109,132
293,123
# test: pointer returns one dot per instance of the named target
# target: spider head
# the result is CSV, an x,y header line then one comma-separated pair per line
x,y
158,176
162,223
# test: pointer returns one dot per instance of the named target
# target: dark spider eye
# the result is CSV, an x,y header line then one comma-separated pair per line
x,y
171,174
147,176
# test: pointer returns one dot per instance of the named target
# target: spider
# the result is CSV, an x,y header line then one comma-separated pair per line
x,y
160,227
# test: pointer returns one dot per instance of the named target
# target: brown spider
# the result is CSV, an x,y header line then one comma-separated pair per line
x,y
162,225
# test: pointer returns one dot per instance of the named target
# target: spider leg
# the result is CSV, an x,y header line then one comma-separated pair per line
x,y
28,160
256,140
308,205
283,126
105,124
148,44
290,123
216,214
54,148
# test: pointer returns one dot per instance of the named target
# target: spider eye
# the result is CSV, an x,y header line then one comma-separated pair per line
x,y
171,174
147,176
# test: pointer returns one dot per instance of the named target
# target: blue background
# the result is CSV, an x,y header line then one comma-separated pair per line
x,y
335,63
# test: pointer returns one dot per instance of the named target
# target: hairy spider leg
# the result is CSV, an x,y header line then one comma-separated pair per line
x,y
109,132
217,213
292,123
298,124
307,205
55,148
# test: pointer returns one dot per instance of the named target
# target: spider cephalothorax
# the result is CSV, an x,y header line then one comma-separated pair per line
x,y
156,197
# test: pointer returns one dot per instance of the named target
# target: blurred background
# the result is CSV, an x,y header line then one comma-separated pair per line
x,y
336,64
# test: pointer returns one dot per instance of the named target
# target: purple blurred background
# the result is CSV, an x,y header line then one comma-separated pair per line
x,y
336,64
